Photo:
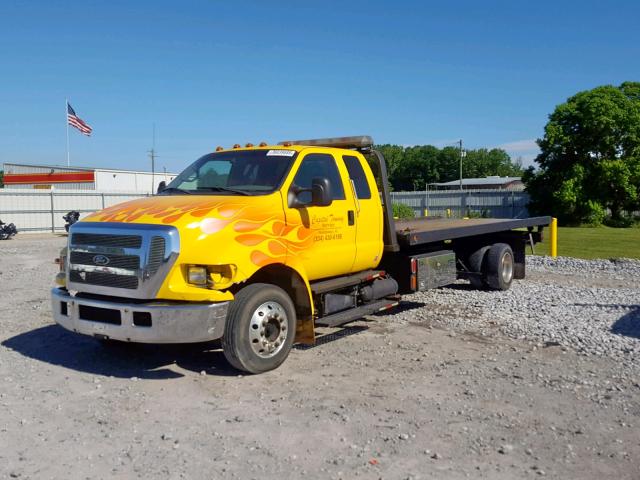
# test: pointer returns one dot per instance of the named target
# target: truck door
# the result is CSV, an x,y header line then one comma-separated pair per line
x,y
369,244
331,249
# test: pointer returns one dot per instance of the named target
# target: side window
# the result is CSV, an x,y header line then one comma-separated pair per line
x,y
356,173
319,165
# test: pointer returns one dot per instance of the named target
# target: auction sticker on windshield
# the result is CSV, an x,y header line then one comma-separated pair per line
x,y
281,153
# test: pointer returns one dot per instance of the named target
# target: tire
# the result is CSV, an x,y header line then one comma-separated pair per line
x,y
477,263
260,328
500,266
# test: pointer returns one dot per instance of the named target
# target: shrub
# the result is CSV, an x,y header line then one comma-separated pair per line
x,y
594,213
402,211
622,222
477,214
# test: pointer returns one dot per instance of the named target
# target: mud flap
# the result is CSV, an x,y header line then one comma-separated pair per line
x,y
305,331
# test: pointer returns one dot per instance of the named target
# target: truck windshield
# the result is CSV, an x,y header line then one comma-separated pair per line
x,y
243,172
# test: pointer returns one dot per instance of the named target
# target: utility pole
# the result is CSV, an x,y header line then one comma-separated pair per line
x,y
152,156
462,199
461,155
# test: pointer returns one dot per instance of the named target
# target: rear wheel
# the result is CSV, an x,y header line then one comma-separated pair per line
x,y
260,328
499,266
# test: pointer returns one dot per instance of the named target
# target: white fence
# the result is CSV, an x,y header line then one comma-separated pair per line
x,y
486,203
34,211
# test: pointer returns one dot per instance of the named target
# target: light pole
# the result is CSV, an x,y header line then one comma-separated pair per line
x,y
426,199
427,205
462,154
462,202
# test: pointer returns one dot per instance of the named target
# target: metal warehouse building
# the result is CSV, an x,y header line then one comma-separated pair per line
x,y
49,177
487,183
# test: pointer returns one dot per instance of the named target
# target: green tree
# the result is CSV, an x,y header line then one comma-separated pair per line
x,y
482,162
393,155
411,168
590,156
418,165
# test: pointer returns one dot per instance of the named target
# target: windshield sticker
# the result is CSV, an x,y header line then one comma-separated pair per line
x,y
281,153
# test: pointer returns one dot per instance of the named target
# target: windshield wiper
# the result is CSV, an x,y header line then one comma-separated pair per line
x,y
224,189
176,189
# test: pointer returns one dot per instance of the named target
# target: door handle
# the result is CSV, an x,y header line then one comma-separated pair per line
x,y
351,217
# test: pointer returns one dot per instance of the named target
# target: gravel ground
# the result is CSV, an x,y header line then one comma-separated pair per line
x,y
539,381
590,306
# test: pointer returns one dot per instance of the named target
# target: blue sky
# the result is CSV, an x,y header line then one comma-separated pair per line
x,y
211,73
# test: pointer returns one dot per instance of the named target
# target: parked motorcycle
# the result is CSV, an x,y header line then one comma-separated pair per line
x,y
71,218
7,230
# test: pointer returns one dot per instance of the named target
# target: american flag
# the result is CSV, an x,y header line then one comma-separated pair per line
x,y
77,122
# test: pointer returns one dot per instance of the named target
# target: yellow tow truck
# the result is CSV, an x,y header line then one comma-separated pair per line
x,y
258,245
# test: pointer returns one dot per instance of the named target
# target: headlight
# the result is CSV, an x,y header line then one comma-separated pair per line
x,y
197,275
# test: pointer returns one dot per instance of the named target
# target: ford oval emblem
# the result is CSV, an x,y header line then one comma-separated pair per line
x,y
101,260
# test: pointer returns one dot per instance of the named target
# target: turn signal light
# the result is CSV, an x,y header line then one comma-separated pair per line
x,y
61,261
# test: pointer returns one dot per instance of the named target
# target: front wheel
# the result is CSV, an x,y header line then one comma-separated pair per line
x,y
260,328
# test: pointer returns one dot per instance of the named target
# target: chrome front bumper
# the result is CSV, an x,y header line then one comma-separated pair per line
x,y
153,322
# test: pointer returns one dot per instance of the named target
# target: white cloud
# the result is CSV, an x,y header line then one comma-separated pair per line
x,y
526,150
520,145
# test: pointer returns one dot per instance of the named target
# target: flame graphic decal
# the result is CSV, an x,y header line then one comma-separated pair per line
x,y
169,213
273,239
264,232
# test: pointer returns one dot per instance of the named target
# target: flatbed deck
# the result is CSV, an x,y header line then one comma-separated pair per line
x,y
427,230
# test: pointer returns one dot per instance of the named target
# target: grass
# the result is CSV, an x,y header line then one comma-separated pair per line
x,y
594,242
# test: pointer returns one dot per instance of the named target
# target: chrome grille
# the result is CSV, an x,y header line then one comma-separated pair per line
x,y
104,279
156,254
122,241
130,262
119,259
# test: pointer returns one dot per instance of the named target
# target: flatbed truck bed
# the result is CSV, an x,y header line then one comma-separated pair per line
x,y
427,230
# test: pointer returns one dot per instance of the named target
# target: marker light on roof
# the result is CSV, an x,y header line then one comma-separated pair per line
x,y
219,149
361,141
249,145
237,145
263,144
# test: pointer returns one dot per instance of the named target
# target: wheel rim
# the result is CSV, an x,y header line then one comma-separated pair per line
x,y
507,267
268,329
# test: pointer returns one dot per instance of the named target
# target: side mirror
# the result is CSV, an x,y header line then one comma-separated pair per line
x,y
321,192
161,186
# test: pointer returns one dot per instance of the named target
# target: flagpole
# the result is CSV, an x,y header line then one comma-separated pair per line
x,y
66,120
